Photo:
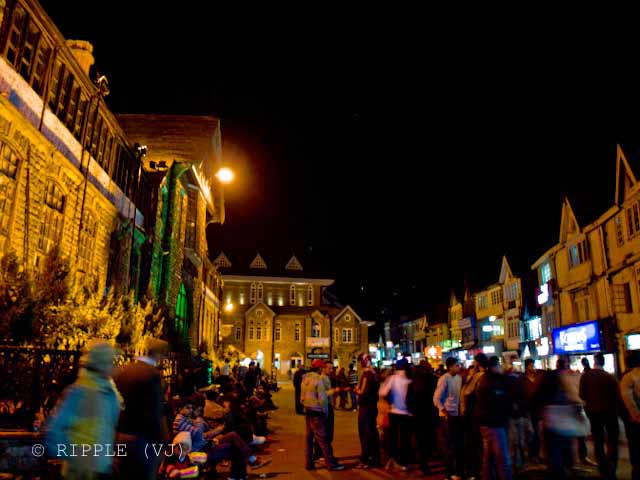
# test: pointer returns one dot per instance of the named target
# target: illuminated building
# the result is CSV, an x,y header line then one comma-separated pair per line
x,y
69,176
280,315
183,158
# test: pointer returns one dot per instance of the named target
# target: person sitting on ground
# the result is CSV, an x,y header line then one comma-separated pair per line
x,y
214,443
182,463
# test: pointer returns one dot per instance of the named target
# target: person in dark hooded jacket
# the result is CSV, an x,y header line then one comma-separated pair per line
x,y
493,409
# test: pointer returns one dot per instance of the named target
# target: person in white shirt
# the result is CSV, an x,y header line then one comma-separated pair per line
x,y
447,400
394,390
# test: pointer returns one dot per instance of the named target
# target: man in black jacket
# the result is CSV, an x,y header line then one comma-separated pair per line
x,y
142,422
297,386
421,406
492,409
599,390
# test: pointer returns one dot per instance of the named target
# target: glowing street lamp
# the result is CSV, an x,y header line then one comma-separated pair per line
x,y
228,307
225,175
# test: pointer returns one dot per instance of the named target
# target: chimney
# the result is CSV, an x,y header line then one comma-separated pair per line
x,y
83,51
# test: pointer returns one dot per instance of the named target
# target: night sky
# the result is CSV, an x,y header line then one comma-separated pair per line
x,y
403,160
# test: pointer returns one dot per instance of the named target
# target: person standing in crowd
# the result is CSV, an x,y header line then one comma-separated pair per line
x,y
382,420
250,379
394,390
532,379
142,421
343,385
353,383
367,391
297,385
560,405
599,391
314,397
518,420
87,414
420,403
630,394
447,400
493,407
226,368
472,437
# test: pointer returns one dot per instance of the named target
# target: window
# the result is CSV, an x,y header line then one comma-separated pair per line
x,y
258,332
619,231
347,335
549,320
621,298
51,218
336,335
296,333
238,334
251,332
27,49
482,302
496,297
292,294
310,295
582,305
87,242
252,295
545,273
511,291
8,173
315,329
260,292
578,253
277,332
633,219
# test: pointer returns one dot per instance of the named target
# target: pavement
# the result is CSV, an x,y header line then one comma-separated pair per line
x,y
286,448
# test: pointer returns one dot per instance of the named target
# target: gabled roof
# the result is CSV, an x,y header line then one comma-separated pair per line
x,y
258,263
505,271
222,261
260,304
241,263
349,310
625,179
293,264
568,223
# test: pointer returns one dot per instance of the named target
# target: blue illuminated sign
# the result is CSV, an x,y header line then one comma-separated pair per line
x,y
579,338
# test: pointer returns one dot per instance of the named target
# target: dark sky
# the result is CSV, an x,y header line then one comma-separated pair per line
x,y
404,160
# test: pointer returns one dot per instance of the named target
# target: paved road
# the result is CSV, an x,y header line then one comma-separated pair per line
x,y
287,450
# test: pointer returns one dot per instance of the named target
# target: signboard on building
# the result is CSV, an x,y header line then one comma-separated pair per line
x,y
464,323
544,294
579,338
633,341
321,356
318,341
226,329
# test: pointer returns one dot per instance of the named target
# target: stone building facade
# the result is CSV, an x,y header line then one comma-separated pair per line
x,y
68,174
280,317
184,152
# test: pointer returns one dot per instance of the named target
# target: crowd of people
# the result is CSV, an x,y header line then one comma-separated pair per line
x,y
488,421
187,433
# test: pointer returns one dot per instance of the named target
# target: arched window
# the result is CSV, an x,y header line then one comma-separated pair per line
x,y
310,295
52,217
315,329
252,294
292,295
8,172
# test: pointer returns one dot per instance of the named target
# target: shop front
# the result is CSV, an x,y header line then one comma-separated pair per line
x,y
583,340
539,351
